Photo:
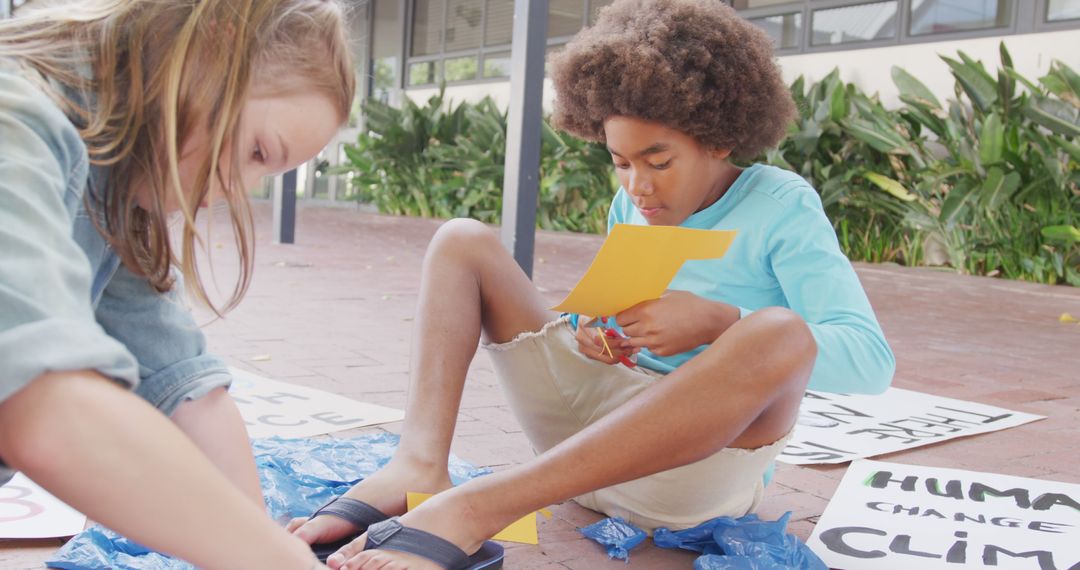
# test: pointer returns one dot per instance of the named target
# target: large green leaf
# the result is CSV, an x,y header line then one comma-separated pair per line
x,y
1063,82
912,90
1054,114
889,185
991,140
881,139
1006,59
955,202
998,187
838,108
976,83
1067,234
925,118
1070,148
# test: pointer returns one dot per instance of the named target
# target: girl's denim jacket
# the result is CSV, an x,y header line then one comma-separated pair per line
x,y
66,301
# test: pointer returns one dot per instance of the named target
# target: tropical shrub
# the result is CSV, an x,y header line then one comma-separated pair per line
x,y
986,182
443,160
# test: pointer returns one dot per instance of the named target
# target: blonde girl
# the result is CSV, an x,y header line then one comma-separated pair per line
x,y
117,116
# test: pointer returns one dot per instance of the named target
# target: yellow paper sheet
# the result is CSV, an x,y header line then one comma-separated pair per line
x,y
522,530
636,263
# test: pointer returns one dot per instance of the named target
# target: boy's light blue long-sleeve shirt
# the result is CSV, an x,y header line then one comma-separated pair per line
x,y
785,255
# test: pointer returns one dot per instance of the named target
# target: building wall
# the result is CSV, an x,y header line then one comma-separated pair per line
x,y
870,68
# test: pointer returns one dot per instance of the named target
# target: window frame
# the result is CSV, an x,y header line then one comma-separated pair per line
x,y
1025,16
480,53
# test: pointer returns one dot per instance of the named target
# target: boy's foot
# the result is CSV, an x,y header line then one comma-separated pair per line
x,y
385,490
450,516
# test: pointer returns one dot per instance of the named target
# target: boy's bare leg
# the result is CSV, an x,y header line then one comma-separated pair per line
x,y
470,283
743,391
213,422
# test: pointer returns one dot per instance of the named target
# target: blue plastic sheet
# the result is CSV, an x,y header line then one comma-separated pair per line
x,y
745,543
616,535
297,476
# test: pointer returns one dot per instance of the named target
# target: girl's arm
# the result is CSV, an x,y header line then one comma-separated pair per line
x,y
109,454
177,374
822,287
79,435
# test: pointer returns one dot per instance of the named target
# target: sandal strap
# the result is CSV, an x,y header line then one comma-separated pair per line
x,y
392,535
357,513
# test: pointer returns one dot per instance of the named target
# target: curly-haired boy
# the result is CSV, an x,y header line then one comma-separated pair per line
x,y
674,88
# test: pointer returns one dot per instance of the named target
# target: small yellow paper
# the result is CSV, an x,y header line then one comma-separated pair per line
x,y
522,530
637,263
1067,318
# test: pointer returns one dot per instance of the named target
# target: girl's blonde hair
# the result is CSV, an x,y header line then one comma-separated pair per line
x,y
149,73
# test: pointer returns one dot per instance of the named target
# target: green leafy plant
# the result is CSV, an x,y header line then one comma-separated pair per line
x,y
986,181
442,160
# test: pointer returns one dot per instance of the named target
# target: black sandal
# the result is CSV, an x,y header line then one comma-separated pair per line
x,y
357,513
392,535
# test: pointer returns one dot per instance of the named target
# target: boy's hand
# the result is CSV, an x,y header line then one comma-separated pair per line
x,y
591,345
677,322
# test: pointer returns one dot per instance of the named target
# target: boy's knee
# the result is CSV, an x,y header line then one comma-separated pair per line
x,y
783,332
463,236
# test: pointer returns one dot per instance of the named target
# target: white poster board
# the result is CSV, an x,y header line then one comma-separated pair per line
x,y
272,408
888,516
836,428
28,511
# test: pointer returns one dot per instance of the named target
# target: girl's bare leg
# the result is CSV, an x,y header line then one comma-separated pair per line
x,y
470,284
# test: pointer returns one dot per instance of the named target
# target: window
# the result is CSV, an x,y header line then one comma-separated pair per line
x,y
785,29
463,25
497,64
1058,10
423,73
594,9
858,23
747,4
385,48
460,68
565,17
464,40
500,22
427,28
944,16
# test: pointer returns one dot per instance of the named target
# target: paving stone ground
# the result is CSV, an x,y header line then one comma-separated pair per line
x,y
334,312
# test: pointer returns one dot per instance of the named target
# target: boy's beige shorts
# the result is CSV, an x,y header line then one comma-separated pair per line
x,y
555,391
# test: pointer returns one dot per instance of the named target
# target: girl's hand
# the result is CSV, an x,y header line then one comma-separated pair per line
x,y
591,345
675,323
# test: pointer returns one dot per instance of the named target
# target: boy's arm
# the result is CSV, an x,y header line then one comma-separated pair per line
x,y
678,322
822,287
104,451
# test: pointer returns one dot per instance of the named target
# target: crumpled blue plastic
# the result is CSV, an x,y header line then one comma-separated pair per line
x,y
745,543
616,535
297,476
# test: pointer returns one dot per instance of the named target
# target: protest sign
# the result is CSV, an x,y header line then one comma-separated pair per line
x,y
28,511
272,408
835,428
888,516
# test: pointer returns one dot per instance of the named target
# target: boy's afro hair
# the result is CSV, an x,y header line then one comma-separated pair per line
x,y
692,65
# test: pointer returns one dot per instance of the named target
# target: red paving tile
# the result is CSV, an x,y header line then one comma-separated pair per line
x,y
334,312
